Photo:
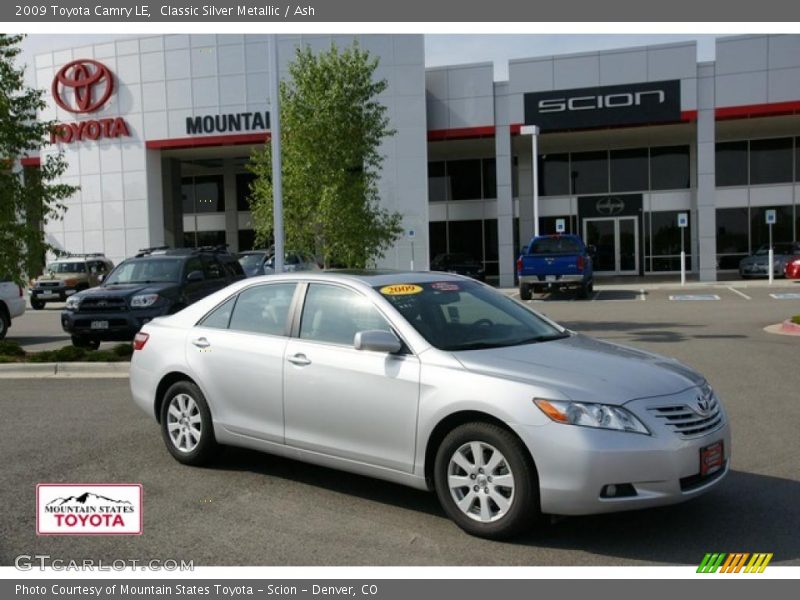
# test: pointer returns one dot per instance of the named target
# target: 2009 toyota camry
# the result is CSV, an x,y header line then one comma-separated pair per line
x,y
434,381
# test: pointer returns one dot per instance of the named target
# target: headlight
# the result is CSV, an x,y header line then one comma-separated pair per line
x,y
600,416
144,300
73,302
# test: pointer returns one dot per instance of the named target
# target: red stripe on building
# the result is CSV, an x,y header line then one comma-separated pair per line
x,y
209,140
31,161
461,133
773,109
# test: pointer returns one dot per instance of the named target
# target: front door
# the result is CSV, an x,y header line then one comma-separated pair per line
x,y
617,242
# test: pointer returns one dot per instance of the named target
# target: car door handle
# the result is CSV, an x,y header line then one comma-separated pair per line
x,y
201,342
299,360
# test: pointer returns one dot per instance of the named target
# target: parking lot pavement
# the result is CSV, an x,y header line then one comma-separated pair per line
x,y
254,509
39,330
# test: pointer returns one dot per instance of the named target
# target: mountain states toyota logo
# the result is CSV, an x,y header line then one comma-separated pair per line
x,y
89,509
82,86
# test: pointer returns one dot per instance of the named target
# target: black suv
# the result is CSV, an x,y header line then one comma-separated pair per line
x,y
157,281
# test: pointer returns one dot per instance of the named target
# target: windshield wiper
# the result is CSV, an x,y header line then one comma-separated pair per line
x,y
540,338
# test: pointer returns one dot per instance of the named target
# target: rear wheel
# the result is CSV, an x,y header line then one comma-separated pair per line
x,y
37,304
525,291
5,322
82,341
486,482
186,424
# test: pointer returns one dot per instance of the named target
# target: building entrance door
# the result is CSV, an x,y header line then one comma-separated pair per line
x,y
617,243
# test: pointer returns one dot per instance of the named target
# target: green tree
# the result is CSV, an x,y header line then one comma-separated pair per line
x,y
331,127
29,198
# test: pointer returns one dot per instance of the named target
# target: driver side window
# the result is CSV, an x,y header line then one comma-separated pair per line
x,y
334,315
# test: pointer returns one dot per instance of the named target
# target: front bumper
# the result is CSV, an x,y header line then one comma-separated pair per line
x,y
51,294
119,326
576,463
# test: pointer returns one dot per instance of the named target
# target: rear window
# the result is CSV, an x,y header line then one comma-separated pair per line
x,y
555,246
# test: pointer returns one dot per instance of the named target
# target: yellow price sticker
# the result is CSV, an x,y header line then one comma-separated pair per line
x,y
400,289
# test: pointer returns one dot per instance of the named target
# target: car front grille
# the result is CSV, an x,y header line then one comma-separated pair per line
x,y
49,284
100,304
691,421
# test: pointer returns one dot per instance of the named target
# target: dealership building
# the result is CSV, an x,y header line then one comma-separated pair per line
x,y
642,151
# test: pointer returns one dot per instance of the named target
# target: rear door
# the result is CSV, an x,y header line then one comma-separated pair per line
x,y
353,404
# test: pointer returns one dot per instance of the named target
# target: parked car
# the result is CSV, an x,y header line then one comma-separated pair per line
x,y
462,264
555,262
156,282
262,262
67,276
793,268
757,264
12,304
434,381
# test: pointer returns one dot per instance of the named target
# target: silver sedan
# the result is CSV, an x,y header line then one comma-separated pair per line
x,y
434,381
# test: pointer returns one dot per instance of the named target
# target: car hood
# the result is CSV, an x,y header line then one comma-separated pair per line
x,y
585,369
127,289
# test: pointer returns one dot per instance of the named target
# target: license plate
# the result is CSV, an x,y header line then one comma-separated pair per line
x,y
48,295
711,458
549,277
99,325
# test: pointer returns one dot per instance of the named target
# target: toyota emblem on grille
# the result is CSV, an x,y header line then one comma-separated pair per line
x,y
703,406
102,303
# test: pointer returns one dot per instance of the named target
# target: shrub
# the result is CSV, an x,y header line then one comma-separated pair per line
x,y
123,350
11,348
796,319
102,356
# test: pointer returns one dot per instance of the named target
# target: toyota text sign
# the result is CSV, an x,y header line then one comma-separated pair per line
x,y
607,106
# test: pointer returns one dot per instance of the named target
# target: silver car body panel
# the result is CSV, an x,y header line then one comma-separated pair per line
x,y
394,403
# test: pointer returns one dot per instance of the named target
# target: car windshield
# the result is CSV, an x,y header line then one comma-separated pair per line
x,y
67,267
250,262
153,270
555,245
464,315
778,249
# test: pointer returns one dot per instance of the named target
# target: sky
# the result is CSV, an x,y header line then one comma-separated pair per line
x,y
452,49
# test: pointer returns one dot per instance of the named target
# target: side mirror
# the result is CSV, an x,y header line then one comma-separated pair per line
x,y
377,340
101,277
195,276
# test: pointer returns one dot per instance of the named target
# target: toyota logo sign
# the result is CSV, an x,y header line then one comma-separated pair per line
x,y
82,86
610,206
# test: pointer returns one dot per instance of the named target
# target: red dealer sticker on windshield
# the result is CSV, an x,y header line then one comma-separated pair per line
x,y
400,289
445,286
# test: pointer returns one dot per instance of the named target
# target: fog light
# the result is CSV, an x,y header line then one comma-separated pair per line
x,y
618,490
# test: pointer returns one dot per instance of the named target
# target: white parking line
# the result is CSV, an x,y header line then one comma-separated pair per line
x,y
742,294
694,297
596,295
642,295
786,296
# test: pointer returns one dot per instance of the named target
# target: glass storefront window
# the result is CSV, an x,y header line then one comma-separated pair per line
x,y
731,163
202,194
464,177
589,172
243,181
669,168
437,183
547,225
554,174
196,239
629,170
247,239
489,178
664,241
732,237
782,231
771,161
437,238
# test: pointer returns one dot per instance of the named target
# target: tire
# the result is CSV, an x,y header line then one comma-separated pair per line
x,y
583,291
37,304
525,291
5,322
189,403
80,341
483,516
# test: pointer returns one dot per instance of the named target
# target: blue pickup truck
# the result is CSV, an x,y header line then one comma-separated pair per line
x,y
555,262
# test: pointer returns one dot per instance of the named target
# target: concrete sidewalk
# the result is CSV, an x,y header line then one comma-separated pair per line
x,y
672,282
75,370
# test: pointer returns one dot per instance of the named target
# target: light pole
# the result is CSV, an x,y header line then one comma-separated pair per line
x,y
275,134
533,131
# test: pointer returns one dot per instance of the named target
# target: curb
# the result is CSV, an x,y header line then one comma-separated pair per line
x,y
791,328
76,370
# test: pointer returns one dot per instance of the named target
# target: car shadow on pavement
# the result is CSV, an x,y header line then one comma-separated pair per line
x,y
38,339
633,331
747,513
375,490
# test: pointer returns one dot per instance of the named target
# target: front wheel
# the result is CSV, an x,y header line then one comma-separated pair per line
x,y
5,323
88,343
486,482
525,291
37,304
186,424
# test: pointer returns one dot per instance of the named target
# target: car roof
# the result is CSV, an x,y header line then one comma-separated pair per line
x,y
370,277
